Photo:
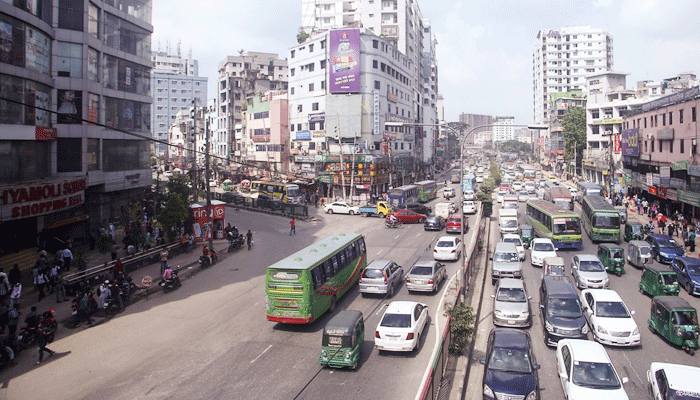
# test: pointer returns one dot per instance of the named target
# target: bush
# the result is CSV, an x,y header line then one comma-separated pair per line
x,y
461,326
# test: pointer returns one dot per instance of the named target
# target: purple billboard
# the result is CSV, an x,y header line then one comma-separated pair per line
x,y
630,142
344,57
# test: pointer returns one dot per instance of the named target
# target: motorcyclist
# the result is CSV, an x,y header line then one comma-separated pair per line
x,y
168,273
393,220
207,254
32,319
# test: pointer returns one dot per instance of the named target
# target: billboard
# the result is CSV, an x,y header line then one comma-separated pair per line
x,y
344,60
630,142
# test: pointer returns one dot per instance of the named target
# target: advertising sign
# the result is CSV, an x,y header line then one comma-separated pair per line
x,y
344,60
694,170
201,226
616,144
679,165
317,117
665,172
630,142
31,200
303,135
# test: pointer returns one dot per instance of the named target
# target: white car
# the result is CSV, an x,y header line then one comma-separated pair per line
x,y
401,326
541,248
469,195
523,196
468,207
517,186
610,320
501,194
666,380
341,207
448,193
530,186
447,248
479,179
515,239
586,372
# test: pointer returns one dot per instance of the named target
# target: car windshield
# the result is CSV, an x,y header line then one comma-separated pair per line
x,y
526,231
515,295
422,270
543,246
564,308
510,360
566,225
396,321
595,375
611,309
506,257
636,228
668,243
685,318
513,240
510,206
693,269
668,279
607,221
445,243
510,223
563,203
372,273
526,194
591,266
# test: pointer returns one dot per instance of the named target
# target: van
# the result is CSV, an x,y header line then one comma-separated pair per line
x,y
443,209
343,339
505,262
560,311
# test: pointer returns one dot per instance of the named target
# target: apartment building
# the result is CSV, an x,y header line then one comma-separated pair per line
x,y
503,129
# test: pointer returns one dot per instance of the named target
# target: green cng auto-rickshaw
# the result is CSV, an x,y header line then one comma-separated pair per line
x,y
659,281
343,339
613,257
633,231
676,321
639,253
527,233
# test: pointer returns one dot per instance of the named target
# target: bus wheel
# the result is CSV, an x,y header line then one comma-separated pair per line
x,y
331,308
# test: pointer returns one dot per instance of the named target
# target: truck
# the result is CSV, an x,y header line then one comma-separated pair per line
x,y
454,178
508,220
444,210
381,209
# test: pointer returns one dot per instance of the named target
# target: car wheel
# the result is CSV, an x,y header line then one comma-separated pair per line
x,y
330,211
689,288
658,258
331,308
351,212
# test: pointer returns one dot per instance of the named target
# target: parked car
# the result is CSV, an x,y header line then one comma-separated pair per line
x,y
408,217
610,320
586,372
448,193
541,248
688,270
560,311
426,276
511,306
434,223
511,369
447,248
589,272
401,326
673,381
456,223
515,239
341,207
664,248
381,277
417,207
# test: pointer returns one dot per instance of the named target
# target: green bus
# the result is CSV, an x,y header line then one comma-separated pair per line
x,y
600,219
303,286
427,190
551,221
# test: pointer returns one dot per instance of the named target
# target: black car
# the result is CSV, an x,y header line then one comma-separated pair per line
x,y
417,207
434,223
511,370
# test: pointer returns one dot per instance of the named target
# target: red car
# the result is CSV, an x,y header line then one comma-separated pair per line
x,y
408,216
455,222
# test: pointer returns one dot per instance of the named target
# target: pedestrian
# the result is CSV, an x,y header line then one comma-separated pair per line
x,y
164,254
60,286
691,240
292,227
52,275
40,283
249,239
67,258
84,310
15,294
671,229
111,232
43,339
3,315
12,320
15,275
103,293
114,250
4,288
118,267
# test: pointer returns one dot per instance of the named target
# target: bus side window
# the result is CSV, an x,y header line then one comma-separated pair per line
x,y
349,253
317,274
336,267
343,260
327,268
362,246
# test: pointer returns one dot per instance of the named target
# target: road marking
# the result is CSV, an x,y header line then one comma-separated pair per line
x,y
632,365
261,354
397,236
380,251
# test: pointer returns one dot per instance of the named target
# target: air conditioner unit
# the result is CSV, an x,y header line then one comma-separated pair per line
x,y
371,147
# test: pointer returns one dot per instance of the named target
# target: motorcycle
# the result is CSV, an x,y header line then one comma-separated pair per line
x,y
27,336
170,284
48,323
208,261
397,224
235,242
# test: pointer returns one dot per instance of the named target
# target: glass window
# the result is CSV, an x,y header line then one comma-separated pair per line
x,y
69,59
110,76
125,36
93,108
93,154
24,160
70,107
29,92
125,155
140,9
38,50
127,114
70,14
23,45
94,20
93,62
69,154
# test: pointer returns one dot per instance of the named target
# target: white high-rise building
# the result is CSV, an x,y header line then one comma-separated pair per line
x,y
563,59
503,129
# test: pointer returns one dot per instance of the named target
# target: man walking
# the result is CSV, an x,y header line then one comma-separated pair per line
x,y
292,227
164,260
43,340
249,239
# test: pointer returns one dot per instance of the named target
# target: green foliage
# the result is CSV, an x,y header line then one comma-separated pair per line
x,y
461,326
514,146
173,214
574,124
179,184
302,36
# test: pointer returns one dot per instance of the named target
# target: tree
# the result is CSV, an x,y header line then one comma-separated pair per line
x,y
173,214
574,124
461,326
180,185
302,36
454,138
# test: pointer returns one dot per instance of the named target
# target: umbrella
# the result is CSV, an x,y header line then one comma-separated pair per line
x,y
227,181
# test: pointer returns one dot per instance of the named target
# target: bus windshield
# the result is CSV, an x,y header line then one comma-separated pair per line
x,y
293,191
607,221
563,226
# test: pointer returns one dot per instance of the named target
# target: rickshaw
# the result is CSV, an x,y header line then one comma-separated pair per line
x,y
659,281
676,321
343,339
633,231
553,266
639,253
613,257
527,233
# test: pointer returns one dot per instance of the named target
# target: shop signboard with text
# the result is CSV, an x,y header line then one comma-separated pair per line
x,y
31,200
630,142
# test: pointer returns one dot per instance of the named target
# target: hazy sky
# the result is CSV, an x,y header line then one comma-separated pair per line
x,y
484,46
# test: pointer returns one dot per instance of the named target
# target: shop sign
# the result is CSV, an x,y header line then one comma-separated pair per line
x,y
317,117
694,170
318,134
630,142
325,179
665,172
679,165
665,182
691,198
677,183
305,159
303,135
23,201
694,184
650,179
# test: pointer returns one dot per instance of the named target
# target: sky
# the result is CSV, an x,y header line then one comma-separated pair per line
x,y
485,47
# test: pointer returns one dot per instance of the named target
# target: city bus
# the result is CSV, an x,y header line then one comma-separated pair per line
x,y
560,225
276,191
306,284
600,219
468,183
588,189
403,194
427,190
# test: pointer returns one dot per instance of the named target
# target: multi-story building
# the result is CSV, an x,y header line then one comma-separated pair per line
x,y
473,121
563,59
483,137
73,148
503,129
552,156
240,77
266,136
175,83
659,147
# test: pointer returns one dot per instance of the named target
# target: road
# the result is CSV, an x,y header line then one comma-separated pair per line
x,y
630,362
210,339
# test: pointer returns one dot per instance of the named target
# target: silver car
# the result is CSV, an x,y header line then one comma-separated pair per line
x,y
512,304
380,277
426,276
589,272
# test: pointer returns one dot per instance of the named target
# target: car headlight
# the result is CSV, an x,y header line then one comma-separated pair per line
x,y
584,330
548,327
488,391
498,313
602,330
532,395
635,331
525,314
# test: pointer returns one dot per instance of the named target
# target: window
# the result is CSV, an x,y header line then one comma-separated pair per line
x,y
93,20
661,146
292,53
377,85
680,116
311,48
314,107
322,64
93,154
375,44
291,71
93,63
693,114
663,119
652,145
311,87
299,108
670,117
375,64
323,84
125,155
645,122
70,15
93,108
682,141
69,59
127,37
670,146
291,91
69,154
